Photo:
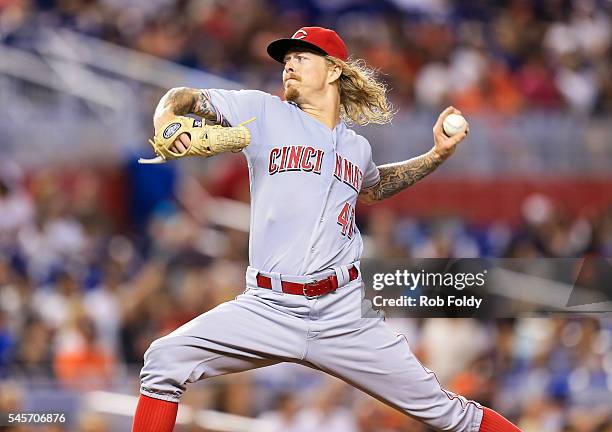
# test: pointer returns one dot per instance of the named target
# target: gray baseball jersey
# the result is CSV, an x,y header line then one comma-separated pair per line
x,y
304,180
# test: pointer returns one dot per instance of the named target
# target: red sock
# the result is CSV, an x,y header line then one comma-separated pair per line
x,y
494,422
154,415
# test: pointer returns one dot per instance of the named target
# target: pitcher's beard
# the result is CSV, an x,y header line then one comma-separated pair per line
x,y
292,94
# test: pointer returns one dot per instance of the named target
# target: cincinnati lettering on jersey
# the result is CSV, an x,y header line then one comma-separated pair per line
x,y
295,158
348,173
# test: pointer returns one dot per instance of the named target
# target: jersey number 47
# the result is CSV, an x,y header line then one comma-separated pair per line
x,y
346,219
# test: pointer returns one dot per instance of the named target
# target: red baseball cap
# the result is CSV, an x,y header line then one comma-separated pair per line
x,y
317,39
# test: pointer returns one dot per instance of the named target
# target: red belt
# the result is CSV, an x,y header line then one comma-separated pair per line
x,y
310,289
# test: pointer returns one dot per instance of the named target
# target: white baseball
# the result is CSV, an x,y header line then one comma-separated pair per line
x,y
453,124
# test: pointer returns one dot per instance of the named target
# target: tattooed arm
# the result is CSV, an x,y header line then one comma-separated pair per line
x,y
398,176
184,100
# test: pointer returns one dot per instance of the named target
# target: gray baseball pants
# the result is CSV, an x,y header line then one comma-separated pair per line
x,y
262,327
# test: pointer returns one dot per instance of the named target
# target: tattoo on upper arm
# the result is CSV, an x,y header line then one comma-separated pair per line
x,y
398,176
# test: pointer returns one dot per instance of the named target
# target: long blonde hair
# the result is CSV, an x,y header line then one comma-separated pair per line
x,y
363,97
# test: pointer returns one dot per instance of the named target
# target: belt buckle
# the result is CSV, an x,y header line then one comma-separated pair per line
x,y
305,288
315,283
308,284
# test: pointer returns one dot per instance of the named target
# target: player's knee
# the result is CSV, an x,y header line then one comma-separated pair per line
x,y
161,356
162,372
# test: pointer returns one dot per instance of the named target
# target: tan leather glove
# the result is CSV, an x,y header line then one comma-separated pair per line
x,y
206,140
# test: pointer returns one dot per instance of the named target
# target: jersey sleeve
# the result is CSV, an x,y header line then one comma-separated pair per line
x,y
237,106
371,175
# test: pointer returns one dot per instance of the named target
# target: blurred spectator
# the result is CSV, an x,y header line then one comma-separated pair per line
x,y
16,209
55,303
34,350
83,363
103,305
470,340
284,414
7,344
326,412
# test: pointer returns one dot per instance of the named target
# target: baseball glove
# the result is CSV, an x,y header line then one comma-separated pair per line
x,y
206,140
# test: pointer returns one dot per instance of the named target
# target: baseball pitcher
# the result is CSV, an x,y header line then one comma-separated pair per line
x,y
302,301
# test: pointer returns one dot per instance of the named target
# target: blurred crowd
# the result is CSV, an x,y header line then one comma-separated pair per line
x,y
507,55
84,291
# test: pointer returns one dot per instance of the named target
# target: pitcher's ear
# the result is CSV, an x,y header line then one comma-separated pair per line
x,y
335,71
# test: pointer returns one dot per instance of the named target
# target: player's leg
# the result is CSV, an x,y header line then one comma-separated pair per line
x,y
243,334
368,354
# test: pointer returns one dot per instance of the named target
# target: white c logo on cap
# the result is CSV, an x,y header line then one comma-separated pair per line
x,y
300,34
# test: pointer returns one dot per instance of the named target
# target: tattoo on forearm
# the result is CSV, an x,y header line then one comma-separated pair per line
x,y
183,100
203,107
398,176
